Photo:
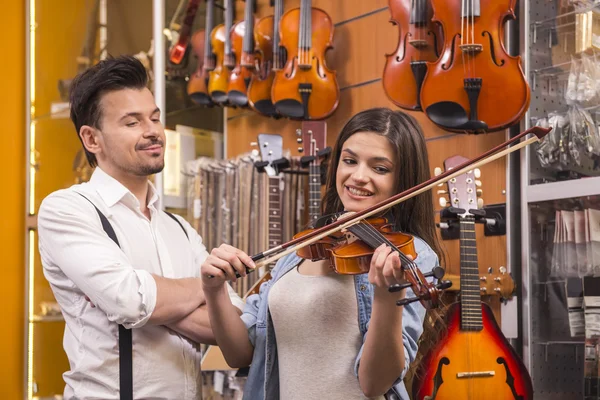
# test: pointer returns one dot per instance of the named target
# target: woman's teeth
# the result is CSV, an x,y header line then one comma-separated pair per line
x,y
358,192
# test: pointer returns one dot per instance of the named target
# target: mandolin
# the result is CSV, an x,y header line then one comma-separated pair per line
x,y
306,88
472,360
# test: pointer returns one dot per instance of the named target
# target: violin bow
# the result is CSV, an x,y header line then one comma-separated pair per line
x,y
293,245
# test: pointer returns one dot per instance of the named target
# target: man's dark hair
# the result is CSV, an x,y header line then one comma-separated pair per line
x,y
87,89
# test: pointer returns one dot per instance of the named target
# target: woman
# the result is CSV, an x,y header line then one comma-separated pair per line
x,y
313,334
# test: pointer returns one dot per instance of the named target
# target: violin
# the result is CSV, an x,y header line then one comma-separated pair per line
x,y
426,292
201,44
420,41
271,59
242,43
220,40
306,88
461,90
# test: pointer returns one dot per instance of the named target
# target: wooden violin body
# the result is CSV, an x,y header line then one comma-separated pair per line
x,y
237,89
462,90
472,365
219,77
259,90
420,41
306,88
198,84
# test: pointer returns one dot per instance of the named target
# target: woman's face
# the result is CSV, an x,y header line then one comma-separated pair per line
x,y
366,172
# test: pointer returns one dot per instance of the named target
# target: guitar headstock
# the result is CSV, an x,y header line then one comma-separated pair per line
x,y
464,190
312,137
271,149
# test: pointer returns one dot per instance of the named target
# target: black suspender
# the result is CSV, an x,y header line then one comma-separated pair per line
x,y
125,340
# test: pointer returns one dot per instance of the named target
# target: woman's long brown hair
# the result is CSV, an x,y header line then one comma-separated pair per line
x,y
414,216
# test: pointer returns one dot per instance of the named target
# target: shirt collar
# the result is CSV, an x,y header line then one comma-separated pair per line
x,y
112,191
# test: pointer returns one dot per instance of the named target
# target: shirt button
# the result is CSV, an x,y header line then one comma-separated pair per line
x,y
363,288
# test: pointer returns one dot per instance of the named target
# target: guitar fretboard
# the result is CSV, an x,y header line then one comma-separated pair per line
x,y
275,218
470,296
314,191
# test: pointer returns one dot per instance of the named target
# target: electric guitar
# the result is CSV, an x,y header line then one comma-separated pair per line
x,y
472,360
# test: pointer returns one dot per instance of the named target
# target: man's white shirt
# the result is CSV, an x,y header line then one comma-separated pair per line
x,y
80,259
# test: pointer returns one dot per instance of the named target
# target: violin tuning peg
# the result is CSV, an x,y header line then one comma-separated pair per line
x,y
443,285
437,273
477,173
443,202
406,301
399,286
437,171
480,202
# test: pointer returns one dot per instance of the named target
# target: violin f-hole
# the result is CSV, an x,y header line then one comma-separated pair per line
x,y
292,68
493,50
400,58
452,53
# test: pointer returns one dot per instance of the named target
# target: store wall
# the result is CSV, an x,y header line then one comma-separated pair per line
x,y
362,37
12,201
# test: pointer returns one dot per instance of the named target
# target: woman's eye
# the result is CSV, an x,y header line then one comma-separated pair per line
x,y
382,170
348,161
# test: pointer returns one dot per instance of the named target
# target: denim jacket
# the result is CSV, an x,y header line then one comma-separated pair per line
x,y
263,377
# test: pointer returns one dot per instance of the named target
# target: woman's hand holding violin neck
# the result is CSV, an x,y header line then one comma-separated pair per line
x,y
386,269
221,266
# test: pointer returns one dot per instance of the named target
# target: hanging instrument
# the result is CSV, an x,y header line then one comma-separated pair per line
x,y
271,58
426,292
306,88
464,89
179,49
220,38
420,41
473,360
242,48
198,84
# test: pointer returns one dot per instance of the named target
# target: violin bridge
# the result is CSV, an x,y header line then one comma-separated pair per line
x,y
418,44
472,48
478,374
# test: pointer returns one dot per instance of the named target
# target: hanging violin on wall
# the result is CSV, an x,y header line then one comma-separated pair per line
x,y
306,88
220,38
271,58
201,44
242,48
420,41
461,90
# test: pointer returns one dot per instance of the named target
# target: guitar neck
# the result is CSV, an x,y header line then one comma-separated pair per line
x,y
314,191
470,297
275,217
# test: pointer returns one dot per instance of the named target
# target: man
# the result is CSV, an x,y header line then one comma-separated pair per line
x,y
149,282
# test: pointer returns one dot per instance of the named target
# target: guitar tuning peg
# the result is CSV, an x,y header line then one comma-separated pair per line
x,y
480,202
479,192
298,132
253,144
478,183
442,192
437,171
443,202
299,140
477,173
300,149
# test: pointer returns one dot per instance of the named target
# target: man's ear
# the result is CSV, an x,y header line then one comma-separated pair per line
x,y
90,139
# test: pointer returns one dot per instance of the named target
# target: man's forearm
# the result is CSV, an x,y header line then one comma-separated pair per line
x,y
196,326
175,299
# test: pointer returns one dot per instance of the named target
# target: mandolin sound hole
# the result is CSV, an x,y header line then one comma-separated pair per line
x,y
290,108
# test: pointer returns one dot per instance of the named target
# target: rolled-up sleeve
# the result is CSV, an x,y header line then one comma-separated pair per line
x,y
413,316
72,242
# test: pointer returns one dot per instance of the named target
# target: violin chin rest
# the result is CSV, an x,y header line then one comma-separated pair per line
x,y
290,108
265,107
451,115
201,98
